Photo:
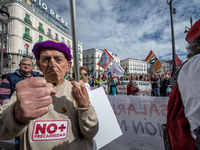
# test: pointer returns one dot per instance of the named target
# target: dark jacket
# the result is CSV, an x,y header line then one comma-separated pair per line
x,y
156,82
15,77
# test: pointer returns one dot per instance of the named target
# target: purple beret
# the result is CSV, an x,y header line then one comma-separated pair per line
x,y
38,47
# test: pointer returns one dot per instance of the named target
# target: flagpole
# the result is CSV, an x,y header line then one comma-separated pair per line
x,y
74,38
174,69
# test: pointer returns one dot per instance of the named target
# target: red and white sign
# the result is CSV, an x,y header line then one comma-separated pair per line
x,y
48,130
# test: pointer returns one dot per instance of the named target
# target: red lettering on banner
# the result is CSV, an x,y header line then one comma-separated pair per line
x,y
131,108
165,109
114,108
153,108
145,111
121,107
50,127
41,129
62,127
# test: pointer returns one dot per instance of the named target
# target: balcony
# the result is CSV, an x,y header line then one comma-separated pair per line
x,y
27,37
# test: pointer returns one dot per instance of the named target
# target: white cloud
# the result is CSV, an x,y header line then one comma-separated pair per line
x,y
130,28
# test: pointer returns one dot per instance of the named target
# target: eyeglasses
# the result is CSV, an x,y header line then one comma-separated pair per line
x,y
26,64
85,74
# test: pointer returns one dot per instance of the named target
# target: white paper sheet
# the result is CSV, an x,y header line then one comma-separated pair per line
x,y
109,128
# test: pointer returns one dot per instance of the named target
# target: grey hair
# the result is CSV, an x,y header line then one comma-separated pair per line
x,y
26,59
194,47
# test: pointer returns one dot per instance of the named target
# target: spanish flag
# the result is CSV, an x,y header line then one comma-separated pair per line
x,y
151,57
166,73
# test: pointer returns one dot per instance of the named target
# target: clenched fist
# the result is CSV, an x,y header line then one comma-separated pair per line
x,y
80,95
33,98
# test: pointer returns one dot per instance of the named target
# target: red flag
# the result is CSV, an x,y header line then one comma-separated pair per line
x,y
103,76
105,59
177,61
125,69
166,73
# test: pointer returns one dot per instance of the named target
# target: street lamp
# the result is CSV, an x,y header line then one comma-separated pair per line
x,y
172,11
186,28
4,15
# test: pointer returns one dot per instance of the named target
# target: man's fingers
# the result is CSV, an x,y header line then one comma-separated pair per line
x,y
32,83
83,88
53,91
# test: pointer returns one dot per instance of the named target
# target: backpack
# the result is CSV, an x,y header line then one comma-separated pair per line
x,y
176,132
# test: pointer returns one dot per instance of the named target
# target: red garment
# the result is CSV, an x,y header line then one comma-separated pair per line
x,y
132,89
178,126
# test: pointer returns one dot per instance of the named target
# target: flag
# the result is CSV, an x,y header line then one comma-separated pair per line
x,y
166,73
177,61
116,70
157,65
103,76
92,74
124,75
105,59
151,57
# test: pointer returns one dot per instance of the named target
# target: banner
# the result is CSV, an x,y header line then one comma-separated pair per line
x,y
144,87
105,59
140,120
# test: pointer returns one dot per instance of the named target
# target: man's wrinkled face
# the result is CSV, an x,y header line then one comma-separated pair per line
x,y
54,65
26,66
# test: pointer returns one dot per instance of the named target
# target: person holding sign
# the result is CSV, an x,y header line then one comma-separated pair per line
x,y
132,89
112,85
50,113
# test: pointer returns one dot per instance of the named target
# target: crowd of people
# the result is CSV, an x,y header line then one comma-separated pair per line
x,y
161,84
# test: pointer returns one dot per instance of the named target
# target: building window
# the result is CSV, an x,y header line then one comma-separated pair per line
x,y
68,44
79,49
56,37
26,47
49,33
40,38
79,56
40,27
27,34
27,19
62,40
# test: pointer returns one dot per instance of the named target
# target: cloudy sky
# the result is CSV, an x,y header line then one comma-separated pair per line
x,y
131,28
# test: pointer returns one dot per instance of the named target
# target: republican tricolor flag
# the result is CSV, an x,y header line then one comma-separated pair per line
x,y
151,57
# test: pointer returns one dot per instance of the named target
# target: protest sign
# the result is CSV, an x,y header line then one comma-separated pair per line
x,y
109,128
140,119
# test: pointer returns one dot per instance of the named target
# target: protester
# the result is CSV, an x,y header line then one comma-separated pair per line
x,y
50,113
156,85
84,77
132,89
166,86
112,85
188,83
9,81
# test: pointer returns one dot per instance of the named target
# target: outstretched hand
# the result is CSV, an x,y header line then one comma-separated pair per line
x,y
33,98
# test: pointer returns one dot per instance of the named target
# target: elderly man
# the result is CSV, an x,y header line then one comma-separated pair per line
x,y
50,113
9,81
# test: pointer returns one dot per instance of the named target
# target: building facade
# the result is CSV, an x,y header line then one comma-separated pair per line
x,y
92,56
31,21
134,66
